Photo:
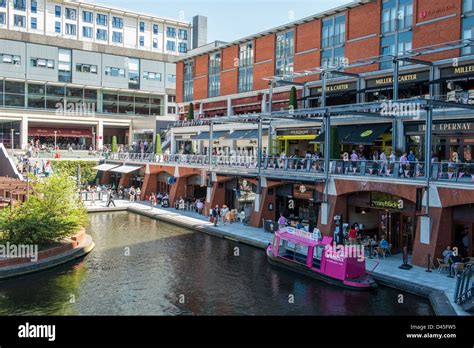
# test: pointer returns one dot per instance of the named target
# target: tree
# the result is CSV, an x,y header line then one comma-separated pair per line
x,y
191,112
293,99
158,145
69,168
53,212
114,144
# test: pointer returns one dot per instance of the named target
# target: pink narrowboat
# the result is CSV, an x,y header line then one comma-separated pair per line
x,y
301,251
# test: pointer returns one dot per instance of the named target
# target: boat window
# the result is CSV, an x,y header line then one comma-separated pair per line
x,y
318,252
292,251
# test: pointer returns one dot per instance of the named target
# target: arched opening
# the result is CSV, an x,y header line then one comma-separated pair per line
x,y
196,188
162,185
463,229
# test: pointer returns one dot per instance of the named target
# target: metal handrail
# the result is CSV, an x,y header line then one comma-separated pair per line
x,y
464,285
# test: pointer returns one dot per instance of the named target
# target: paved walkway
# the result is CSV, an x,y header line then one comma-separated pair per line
x,y
387,269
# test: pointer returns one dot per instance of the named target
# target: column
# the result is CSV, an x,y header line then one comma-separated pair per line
x,y
230,111
100,135
24,133
130,133
173,144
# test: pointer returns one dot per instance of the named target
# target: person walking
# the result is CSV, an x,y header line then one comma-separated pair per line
x,y
215,215
132,194
152,201
110,198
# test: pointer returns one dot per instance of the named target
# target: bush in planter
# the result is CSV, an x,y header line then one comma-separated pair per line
x,y
114,146
51,213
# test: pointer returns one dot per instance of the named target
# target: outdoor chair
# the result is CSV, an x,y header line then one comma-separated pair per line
x,y
379,251
442,265
458,268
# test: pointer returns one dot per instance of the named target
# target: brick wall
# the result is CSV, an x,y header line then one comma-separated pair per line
x,y
264,51
179,82
229,71
201,77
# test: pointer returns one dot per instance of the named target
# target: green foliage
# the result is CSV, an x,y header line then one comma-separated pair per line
x,y
69,168
52,213
191,112
293,99
114,144
158,145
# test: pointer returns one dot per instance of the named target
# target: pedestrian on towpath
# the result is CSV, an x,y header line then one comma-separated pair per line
x,y
110,198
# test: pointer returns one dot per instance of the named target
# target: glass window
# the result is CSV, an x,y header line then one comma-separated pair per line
x,y
133,73
115,72
467,33
87,32
151,76
36,96
155,29
171,99
170,32
188,79
245,82
183,34
57,27
42,63
70,13
34,6
19,21
10,59
19,5
142,27
110,102
3,3
101,19
86,68
183,47
155,108
171,78
87,16
101,34
3,18
142,104
332,41
14,93
71,29
285,47
34,23
214,84
142,41
170,46
64,65
57,11
117,22
155,43
117,37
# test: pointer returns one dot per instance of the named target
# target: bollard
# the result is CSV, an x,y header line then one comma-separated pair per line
x,y
429,264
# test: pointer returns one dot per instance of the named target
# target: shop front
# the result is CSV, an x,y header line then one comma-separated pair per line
x,y
162,185
184,143
453,139
336,94
64,137
413,84
240,194
297,141
463,219
299,203
457,84
382,215
196,188
10,133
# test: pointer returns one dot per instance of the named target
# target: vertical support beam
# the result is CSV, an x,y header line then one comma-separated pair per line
x,y
100,135
270,97
211,140
24,133
395,124
173,143
428,140
327,137
259,151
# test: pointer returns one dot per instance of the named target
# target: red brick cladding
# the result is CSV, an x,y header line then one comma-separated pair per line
x,y
264,51
229,70
445,30
308,37
200,77
179,81
363,21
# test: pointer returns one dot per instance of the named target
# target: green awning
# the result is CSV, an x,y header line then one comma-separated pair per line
x,y
366,134
343,133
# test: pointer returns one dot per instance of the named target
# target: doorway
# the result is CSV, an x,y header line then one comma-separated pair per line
x,y
464,238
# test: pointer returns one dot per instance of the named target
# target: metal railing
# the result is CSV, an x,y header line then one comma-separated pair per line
x,y
464,285
462,173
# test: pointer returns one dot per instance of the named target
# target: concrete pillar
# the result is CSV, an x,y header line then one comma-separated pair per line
x,y
230,111
264,102
165,106
130,134
100,135
173,144
24,133
400,135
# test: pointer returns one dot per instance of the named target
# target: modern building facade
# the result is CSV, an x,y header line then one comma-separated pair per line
x,y
82,73
240,78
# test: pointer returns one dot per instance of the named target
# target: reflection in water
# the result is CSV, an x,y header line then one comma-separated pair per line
x,y
143,266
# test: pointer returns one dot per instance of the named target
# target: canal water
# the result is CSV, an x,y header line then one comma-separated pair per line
x,y
141,266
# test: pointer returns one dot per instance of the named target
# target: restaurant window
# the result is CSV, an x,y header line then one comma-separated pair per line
x,y
64,65
36,96
188,91
90,99
245,83
284,52
214,75
126,103
14,94
133,73
333,38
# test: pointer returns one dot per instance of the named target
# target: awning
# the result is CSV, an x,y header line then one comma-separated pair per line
x,y
238,134
105,167
205,135
464,77
60,132
126,169
366,134
343,133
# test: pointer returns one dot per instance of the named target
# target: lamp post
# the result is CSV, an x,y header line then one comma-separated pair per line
x,y
12,138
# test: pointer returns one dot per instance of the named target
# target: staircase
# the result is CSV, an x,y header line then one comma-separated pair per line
x,y
7,166
465,288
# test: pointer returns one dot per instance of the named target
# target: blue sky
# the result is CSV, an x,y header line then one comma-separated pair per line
x,y
229,20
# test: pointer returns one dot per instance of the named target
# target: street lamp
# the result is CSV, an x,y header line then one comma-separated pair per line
x,y
12,138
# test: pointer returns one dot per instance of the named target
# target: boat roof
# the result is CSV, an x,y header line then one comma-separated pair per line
x,y
298,239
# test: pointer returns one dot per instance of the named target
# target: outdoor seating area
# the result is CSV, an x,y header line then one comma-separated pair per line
x,y
11,191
